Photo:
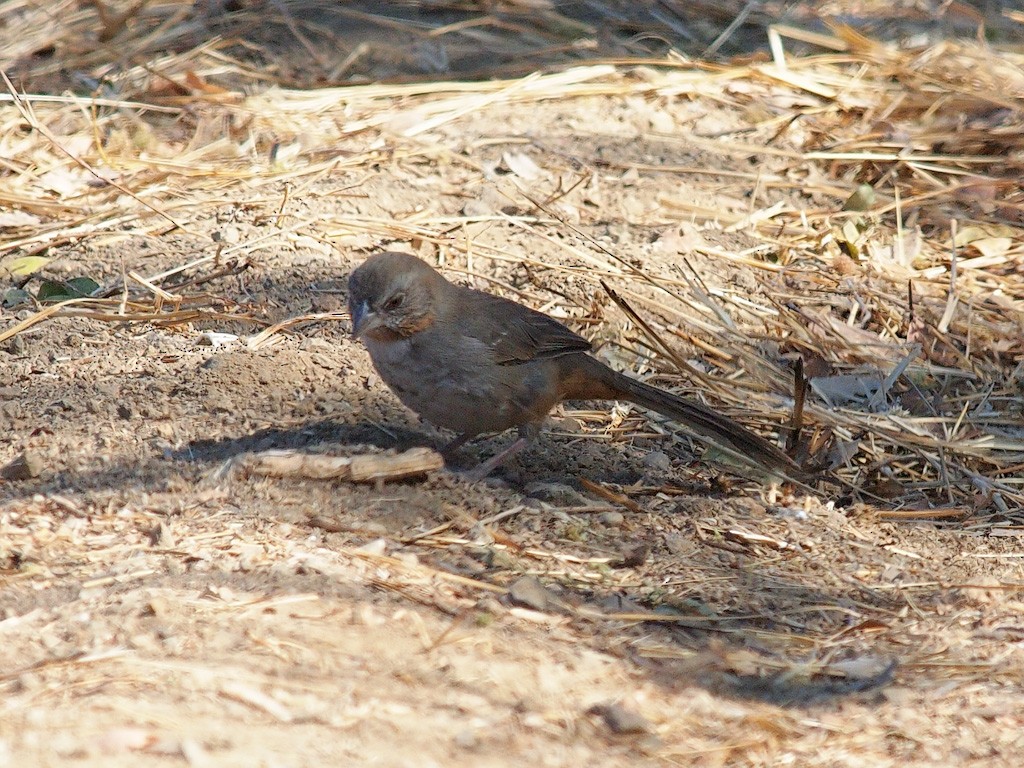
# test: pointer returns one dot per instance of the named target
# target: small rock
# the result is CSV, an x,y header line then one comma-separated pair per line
x,y
612,519
662,122
658,461
375,547
528,592
160,536
496,558
26,466
476,209
108,389
318,358
495,483
215,339
466,739
678,544
650,744
630,178
621,720
366,616
565,424
123,740
490,605
28,682
556,493
634,555
326,302
157,606
616,603
373,528
17,346
230,235
409,559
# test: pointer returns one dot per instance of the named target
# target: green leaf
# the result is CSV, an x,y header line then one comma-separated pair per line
x,y
53,290
82,286
58,290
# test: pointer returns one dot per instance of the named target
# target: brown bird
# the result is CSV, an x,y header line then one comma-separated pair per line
x,y
475,363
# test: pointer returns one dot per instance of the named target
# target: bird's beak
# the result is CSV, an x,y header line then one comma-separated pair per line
x,y
363,319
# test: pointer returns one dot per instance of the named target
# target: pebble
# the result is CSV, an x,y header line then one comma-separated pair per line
x,y
25,467
556,493
375,547
612,519
230,235
678,544
160,536
621,720
466,739
649,744
528,592
497,558
616,603
634,555
17,346
658,460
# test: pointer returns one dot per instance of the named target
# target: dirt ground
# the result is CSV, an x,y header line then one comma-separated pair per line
x,y
159,604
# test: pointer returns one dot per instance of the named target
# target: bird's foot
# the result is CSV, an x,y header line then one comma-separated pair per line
x,y
485,468
450,449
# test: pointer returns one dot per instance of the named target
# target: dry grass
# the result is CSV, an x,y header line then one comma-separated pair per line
x,y
878,335
908,325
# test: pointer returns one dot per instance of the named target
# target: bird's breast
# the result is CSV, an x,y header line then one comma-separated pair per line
x,y
453,381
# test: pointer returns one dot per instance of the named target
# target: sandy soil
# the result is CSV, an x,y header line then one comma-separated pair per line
x,y
156,608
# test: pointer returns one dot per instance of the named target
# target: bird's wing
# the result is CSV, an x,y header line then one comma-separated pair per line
x,y
516,334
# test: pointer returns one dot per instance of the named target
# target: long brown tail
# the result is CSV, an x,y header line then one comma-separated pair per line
x,y
586,378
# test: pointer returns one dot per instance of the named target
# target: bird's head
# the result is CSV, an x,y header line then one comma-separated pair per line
x,y
393,295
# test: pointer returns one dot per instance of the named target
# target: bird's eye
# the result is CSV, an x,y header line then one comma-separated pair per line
x,y
394,302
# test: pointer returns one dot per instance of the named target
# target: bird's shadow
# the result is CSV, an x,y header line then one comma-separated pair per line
x,y
316,437
547,459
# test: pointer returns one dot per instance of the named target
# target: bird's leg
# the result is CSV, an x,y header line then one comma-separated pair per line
x,y
450,448
527,433
485,468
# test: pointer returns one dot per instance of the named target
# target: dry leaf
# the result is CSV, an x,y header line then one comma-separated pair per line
x,y
14,219
23,266
522,166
